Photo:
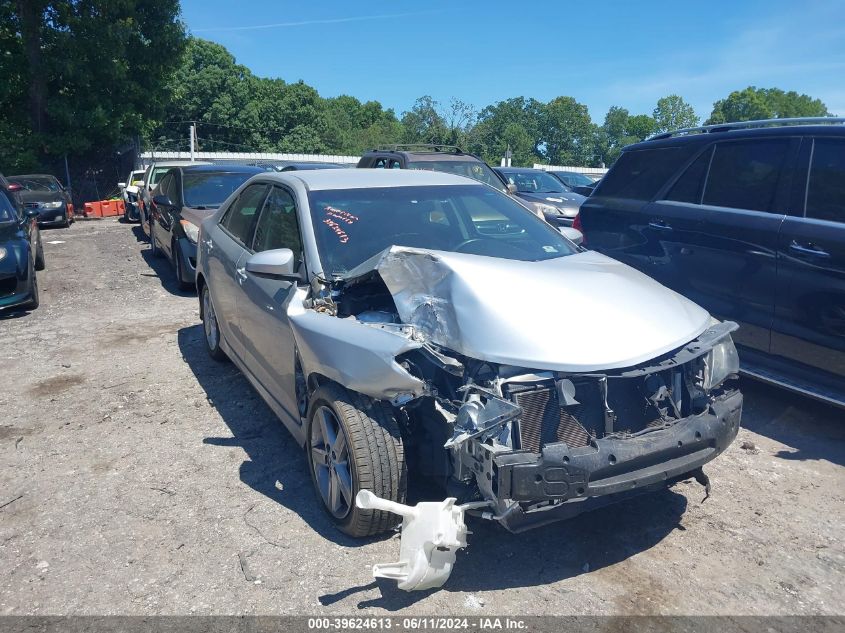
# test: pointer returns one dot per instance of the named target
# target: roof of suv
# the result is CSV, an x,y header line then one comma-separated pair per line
x,y
818,126
424,152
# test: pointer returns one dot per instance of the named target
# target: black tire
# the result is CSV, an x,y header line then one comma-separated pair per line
x,y
34,301
177,264
154,249
40,262
375,456
209,323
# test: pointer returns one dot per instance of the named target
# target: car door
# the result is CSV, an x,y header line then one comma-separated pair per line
x,y
809,323
743,205
156,211
167,215
269,348
225,255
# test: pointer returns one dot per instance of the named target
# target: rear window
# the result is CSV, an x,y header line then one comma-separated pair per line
x,y
640,174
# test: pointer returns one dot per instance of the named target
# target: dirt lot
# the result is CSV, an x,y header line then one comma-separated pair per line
x,y
137,476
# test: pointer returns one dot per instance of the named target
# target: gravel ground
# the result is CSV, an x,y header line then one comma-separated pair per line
x,y
137,476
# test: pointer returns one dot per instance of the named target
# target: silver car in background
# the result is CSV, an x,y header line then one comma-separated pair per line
x,y
420,324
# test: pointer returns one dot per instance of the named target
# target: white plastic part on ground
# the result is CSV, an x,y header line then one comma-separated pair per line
x,y
432,533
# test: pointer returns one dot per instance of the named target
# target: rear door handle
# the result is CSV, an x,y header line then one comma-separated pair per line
x,y
808,250
660,225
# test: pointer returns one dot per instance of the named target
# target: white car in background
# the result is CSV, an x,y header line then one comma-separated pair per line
x,y
130,189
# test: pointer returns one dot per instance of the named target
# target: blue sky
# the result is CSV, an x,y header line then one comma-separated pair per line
x,y
602,53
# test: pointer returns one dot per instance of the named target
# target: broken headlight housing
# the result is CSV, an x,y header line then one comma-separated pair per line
x,y
720,363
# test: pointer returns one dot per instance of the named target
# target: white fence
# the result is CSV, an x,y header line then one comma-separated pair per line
x,y
240,157
587,171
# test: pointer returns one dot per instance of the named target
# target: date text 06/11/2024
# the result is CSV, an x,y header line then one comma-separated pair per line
x,y
420,623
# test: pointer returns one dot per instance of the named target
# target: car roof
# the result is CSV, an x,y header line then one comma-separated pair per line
x,y
218,168
33,176
513,170
741,133
177,163
324,179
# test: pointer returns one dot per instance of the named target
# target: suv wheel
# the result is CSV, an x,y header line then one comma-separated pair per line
x,y
354,444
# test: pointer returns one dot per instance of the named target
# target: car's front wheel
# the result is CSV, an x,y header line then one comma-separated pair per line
x,y
354,444
155,251
34,299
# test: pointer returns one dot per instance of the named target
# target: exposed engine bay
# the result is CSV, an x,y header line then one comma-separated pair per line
x,y
522,444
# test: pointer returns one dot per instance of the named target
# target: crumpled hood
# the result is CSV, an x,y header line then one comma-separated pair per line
x,y
583,312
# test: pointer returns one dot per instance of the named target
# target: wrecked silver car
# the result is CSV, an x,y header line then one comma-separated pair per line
x,y
418,324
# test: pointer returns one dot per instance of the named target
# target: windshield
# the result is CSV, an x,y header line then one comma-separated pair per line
x,y
7,209
535,182
158,172
574,179
474,169
136,177
352,225
210,188
36,183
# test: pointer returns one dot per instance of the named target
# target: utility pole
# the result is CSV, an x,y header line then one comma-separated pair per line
x,y
193,133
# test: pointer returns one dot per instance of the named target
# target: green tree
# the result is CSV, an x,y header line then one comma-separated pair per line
x,y
568,133
513,123
82,74
423,123
753,103
673,113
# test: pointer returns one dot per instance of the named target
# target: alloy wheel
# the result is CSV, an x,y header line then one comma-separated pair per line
x,y
330,461
209,320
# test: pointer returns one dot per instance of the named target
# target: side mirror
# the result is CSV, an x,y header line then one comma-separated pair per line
x,y
573,235
122,185
163,201
279,263
30,213
511,188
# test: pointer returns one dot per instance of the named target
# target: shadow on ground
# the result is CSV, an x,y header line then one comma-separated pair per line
x,y
496,559
160,267
811,429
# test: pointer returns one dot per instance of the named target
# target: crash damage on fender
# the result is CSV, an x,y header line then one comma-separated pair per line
x,y
532,390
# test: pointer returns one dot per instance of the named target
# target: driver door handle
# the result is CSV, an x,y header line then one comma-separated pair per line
x,y
811,249
241,272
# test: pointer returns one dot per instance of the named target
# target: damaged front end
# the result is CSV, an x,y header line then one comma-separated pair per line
x,y
525,443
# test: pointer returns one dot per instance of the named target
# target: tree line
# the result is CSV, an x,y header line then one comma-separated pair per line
x,y
85,77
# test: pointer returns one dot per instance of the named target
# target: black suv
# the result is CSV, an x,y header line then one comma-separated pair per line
x,y
446,158
747,220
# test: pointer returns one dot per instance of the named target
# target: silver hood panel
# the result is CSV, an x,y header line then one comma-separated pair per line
x,y
580,313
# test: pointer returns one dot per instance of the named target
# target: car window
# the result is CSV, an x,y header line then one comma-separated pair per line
x,y
240,217
475,169
380,163
164,186
640,174
210,188
534,182
7,209
744,174
278,226
826,189
395,164
157,174
689,186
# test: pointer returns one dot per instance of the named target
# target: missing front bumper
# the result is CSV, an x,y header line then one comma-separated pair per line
x,y
609,467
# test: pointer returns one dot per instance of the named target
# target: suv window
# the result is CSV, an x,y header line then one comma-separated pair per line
x,y
164,186
240,217
826,189
380,163
744,174
689,186
278,226
640,174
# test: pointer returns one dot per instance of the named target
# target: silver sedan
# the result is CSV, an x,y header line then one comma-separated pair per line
x,y
410,323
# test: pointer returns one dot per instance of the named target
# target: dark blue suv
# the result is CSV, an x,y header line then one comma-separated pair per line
x,y
747,220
